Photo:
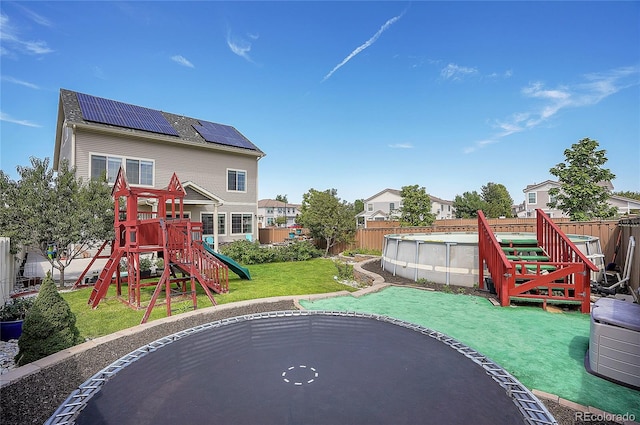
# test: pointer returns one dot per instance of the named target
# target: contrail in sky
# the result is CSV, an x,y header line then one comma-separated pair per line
x,y
366,44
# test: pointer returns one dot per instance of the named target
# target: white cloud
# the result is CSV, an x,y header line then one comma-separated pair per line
x,y
456,72
593,89
13,43
19,82
363,46
8,118
240,46
182,61
401,146
479,145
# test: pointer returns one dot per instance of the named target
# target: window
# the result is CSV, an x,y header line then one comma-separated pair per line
x,y
138,171
369,207
269,210
270,221
236,181
105,165
392,206
207,223
552,199
241,223
532,197
222,220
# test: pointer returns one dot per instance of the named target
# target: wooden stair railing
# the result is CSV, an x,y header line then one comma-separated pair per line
x,y
554,268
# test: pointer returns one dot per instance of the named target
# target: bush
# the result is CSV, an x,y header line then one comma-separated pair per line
x,y
345,270
145,264
246,252
16,309
49,327
362,251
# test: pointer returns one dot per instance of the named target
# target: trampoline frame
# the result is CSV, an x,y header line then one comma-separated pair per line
x,y
531,408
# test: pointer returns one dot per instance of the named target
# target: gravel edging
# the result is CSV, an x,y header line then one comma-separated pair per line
x,y
31,394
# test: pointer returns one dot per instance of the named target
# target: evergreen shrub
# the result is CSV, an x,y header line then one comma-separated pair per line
x,y
49,327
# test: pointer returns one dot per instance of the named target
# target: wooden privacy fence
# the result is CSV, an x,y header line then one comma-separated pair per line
x,y
373,238
269,235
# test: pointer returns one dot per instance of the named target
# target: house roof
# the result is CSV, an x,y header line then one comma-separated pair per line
x,y
398,193
538,185
71,112
272,203
392,191
606,184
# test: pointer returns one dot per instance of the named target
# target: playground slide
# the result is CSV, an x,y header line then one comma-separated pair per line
x,y
243,272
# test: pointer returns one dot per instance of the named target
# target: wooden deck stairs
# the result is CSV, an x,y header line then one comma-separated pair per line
x,y
547,268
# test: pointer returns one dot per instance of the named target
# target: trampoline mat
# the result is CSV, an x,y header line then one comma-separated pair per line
x,y
310,368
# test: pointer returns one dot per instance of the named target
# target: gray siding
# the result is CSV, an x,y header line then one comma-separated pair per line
x,y
205,167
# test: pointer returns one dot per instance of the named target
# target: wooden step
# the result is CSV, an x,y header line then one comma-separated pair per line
x,y
534,267
528,257
522,249
518,242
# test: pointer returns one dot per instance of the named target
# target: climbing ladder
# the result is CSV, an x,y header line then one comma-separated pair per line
x,y
548,268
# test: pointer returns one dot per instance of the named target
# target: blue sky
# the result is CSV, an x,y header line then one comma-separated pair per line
x,y
356,96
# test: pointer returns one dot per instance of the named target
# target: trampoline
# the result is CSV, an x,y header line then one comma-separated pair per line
x,y
303,367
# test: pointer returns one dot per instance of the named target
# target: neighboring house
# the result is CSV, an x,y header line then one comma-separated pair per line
x,y
269,210
537,196
385,205
216,164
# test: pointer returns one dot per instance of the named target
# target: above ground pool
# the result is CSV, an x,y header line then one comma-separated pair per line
x,y
450,258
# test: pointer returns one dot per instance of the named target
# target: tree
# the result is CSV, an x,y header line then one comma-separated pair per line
x,y
416,207
50,326
468,204
628,194
358,206
581,194
327,217
497,201
282,198
43,210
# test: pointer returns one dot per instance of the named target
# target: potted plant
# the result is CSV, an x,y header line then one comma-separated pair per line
x,y
12,314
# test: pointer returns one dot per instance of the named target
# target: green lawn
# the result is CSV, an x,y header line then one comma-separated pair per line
x,y
267,280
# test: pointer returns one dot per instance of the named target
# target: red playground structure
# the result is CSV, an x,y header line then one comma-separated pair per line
x,y
165,232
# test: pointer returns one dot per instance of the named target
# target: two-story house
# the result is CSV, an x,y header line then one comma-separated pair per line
x,y
269,210
386,204
217,165
537,196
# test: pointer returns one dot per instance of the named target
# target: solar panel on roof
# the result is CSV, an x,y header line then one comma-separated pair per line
x,y
107,111
223,134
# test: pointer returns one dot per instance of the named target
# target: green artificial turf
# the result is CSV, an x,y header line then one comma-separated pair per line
x,y
543,350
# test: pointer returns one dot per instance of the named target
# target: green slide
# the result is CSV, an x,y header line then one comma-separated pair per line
x,y
243,272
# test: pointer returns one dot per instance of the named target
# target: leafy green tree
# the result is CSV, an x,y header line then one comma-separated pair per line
x,y
49,327
358,206
327,217
416,207
581,194
468,204
282,198
628,194
281,220
45,209
497,200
